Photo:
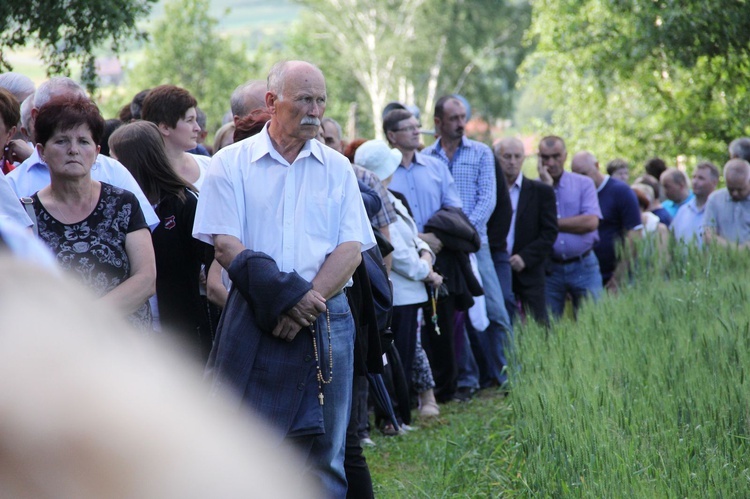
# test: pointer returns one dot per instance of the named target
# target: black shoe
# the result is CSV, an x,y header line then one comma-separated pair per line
x,y
464,394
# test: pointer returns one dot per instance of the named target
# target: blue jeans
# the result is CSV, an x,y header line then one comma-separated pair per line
x,y
505,276
325,453
468,369
579,278
494,340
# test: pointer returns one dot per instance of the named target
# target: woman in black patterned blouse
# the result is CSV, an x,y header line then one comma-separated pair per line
x,y
96,231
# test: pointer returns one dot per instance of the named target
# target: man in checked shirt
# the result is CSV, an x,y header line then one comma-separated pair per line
x,y
473,167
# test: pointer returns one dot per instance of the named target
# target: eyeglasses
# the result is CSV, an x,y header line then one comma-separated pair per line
x,y
410,128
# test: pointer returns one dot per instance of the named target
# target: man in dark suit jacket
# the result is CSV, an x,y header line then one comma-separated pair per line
x,y
533,228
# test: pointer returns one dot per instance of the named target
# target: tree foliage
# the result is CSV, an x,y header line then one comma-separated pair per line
x,y
643,77
186,50
414,51
69,30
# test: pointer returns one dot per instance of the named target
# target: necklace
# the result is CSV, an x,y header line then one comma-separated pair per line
x,y
73,219
321,379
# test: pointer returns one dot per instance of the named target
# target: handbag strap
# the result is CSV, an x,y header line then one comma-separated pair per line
x,y
28,205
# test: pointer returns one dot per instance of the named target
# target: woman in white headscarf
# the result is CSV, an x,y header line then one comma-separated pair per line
x,y
411,268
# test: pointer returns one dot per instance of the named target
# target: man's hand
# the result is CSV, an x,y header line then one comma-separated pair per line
x,y
18,151
434,279
517,263
544,175
432,241
307,309
287,328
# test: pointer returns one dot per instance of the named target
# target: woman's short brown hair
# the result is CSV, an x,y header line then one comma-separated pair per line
x,y
167,104
65,113
10,109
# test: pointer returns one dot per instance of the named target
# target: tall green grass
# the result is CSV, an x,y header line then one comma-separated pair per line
x,y
646,395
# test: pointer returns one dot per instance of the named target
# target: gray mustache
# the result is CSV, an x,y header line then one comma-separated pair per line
x,y
307,120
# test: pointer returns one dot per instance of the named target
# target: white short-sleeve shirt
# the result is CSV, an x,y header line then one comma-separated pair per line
x,y
297,214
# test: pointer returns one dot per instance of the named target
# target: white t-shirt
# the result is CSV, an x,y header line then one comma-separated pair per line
x,y
203,162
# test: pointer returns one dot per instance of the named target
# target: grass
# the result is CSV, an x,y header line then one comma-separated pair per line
x,y
466,452
646,395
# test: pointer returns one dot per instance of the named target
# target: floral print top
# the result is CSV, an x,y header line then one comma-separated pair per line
x,y
93,250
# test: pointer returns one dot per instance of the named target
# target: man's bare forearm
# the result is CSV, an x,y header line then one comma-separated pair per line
x,y
226,249
338,268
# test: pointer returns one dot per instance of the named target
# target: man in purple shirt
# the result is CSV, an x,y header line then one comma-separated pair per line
x,y
573,266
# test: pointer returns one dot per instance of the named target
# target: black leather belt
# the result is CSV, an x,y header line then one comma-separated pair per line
x,y
566,261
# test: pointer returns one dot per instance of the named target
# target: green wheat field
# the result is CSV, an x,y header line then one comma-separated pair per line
x,y
644,396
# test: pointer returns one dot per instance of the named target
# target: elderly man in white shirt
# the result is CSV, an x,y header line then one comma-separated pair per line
x,y
285,194
33,174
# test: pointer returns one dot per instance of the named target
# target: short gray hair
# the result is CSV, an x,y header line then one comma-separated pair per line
x,y
276,77
335,123
18,84
57,85
200,118
26,106
740,148
237,102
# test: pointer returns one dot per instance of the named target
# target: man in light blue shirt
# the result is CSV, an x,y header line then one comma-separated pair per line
x,y
727,219
676,188
687,225
472,164
428,186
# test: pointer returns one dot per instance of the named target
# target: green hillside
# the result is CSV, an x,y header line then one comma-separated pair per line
x,y
246,19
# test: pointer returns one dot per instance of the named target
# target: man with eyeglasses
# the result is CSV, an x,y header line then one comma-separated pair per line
x,y
573,267
532,231
428,186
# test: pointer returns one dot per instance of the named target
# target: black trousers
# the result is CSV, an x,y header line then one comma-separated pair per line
x,y
404,327
358,476
532,300
440,348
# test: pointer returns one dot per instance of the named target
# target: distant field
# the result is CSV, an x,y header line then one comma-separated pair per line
x,y
244,20
238,17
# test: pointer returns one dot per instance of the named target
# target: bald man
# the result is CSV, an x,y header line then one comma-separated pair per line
x,y
248,97
621,216
727,218
740,148
532,229
676,186
295,205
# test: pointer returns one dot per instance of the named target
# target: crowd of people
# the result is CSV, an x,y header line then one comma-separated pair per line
x,y
291,262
